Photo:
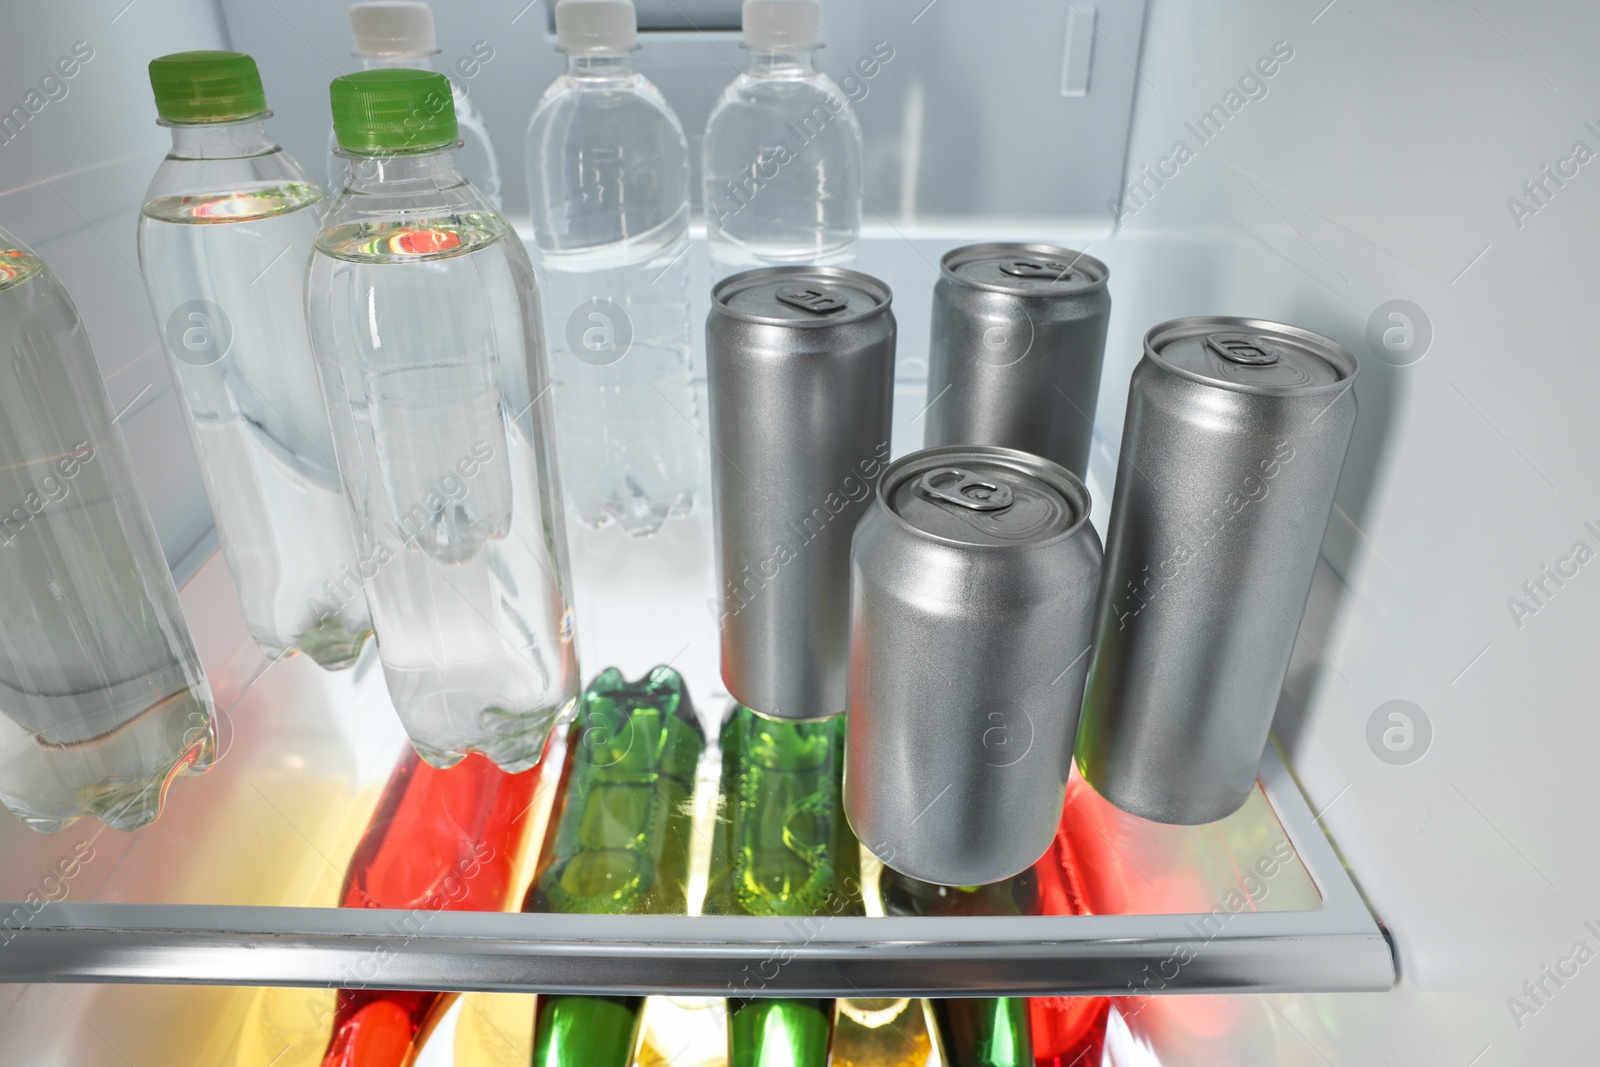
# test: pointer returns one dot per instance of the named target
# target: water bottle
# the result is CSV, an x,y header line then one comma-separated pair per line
x,y
224,238
608,173
425,322
782,155
102,698
391,34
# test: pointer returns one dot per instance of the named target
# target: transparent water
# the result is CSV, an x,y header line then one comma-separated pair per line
x,y
225,273
630,450
102,698
427,331
782,170
609,189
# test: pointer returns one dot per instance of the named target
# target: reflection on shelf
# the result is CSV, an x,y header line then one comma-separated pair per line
x,y
1131,866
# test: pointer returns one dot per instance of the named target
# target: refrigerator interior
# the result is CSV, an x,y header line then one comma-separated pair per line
x,y
1422,152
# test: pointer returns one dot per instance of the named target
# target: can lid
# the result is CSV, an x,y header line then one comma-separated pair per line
x,y
801,296
1024,269
1251,355
979,495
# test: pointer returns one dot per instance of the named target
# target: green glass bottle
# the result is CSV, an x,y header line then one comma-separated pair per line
x,y
779,1032
983,1032
619,843
781,847
971,1031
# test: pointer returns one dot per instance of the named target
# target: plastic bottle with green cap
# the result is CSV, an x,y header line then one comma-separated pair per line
x,y
390,34
224,238
425,323
608,188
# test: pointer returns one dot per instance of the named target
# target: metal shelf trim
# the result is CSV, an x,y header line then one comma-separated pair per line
x,y
1338,947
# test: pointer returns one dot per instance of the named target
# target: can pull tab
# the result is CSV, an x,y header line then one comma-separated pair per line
x,y
1037,268
1243,348
965,489
814,298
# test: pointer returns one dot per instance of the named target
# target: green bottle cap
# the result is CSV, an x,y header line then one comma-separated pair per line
x,y
379,112
197,87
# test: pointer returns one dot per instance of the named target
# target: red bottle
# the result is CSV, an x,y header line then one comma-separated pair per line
x,y
439,841
1067,1031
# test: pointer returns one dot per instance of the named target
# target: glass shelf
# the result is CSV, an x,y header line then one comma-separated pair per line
x,y
235,884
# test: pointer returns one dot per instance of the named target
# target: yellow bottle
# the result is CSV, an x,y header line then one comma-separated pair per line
x,y
880,1032
495,1030
683,1032
291,1027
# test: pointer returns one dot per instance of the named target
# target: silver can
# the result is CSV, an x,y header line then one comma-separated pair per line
x,y
973,584
1235,436
800,362
1019,335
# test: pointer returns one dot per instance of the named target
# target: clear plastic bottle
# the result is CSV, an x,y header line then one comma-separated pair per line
x,y
425,321
224,238
399,34
102,698
782,156
608,172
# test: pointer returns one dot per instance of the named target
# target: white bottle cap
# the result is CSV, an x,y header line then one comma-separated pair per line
x,y
387,27
782,25
592,26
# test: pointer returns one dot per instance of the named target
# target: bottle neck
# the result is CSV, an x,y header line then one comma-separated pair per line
x,y
396,61
782,64
600,66
414,171
221,140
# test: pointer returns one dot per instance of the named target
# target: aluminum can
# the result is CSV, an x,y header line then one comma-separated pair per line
x,y
800,362
973,583
1018,338
1235,436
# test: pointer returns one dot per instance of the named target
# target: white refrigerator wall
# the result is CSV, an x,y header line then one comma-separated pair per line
x,y
1336,158
76,153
